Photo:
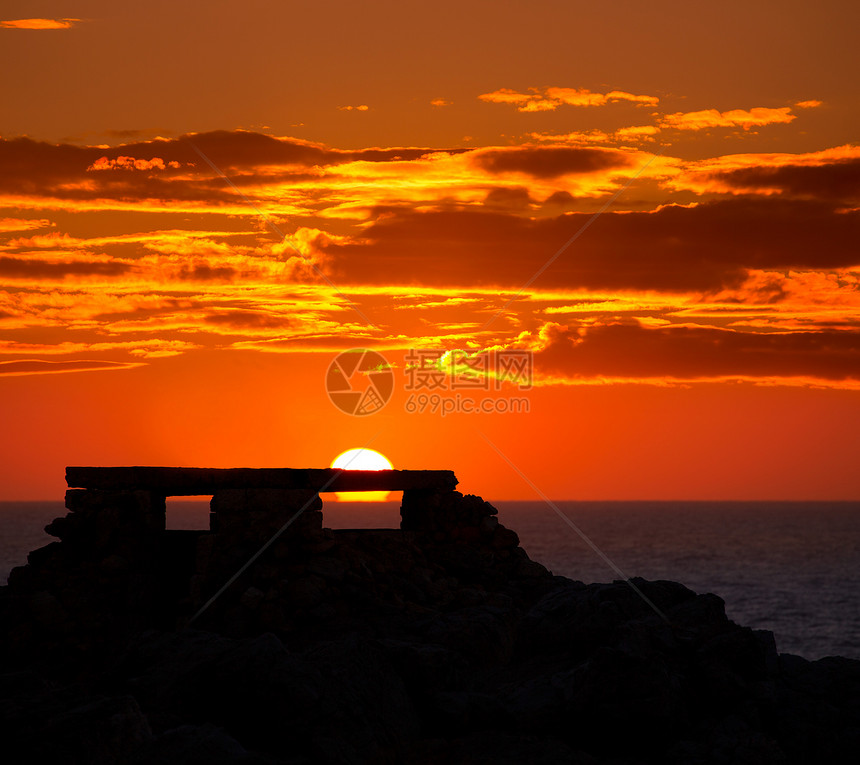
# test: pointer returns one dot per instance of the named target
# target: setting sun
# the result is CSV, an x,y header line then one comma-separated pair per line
x,y
361,459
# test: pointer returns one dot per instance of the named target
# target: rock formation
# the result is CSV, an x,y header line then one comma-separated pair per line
x,y
439,641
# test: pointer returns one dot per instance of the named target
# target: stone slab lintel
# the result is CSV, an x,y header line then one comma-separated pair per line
x,y
179,481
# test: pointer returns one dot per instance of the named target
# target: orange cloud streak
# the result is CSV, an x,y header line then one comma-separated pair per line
x,y
38,24
549,99
711,118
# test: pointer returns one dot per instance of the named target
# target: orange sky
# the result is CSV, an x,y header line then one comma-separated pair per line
x,y
659,203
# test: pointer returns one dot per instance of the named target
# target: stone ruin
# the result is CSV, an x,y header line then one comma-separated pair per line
x,y
117,569
251,500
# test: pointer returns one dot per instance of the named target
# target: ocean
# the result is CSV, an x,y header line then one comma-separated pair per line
x,y
789,567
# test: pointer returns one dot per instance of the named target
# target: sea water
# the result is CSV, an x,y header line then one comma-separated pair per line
x,y
789,567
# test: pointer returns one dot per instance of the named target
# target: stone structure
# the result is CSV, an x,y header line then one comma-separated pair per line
x,y
117,569
175,482
249,504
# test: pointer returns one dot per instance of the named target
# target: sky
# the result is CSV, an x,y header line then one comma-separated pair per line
x,y
604,251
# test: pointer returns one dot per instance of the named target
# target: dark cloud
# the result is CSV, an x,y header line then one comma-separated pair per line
x,y
839,180
632,351
245,319
549,161
37,168
705,247
516,198
203,272
241,150
134,133
19,268
560,199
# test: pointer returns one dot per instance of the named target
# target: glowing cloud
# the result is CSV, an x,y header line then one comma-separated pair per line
x,y
130,163
549,99
22,224
38,24
711,118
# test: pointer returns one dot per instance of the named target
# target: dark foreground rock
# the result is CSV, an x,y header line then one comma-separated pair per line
x,y
438,643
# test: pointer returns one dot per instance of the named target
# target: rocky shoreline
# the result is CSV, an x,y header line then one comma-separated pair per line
x,y
437,642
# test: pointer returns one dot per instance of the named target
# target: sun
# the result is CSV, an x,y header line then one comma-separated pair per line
x,y
361,459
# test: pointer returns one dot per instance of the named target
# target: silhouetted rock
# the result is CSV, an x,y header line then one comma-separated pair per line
x,y
437,642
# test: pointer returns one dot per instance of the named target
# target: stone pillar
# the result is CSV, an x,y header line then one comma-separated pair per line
x,y
243,520
239,515
83,595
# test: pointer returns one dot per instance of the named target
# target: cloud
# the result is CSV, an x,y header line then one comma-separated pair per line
x,y
515,198
246,319
583,97
833,174
36,170
130,163
360,108
632,351
637,132
42,367
22,224
35,269
711,118
53,241
39,24
295,178
548,161
621,135
808,104
709,246
149,348
577,137
838,181
549,99
440,102
507,96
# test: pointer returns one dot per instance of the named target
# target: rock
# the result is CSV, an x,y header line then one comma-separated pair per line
x,y
365,712
254,689
494,748
99,731
203,744
47,610
504,538
327,567
252,598
482,634
488,526
305,591
425,667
